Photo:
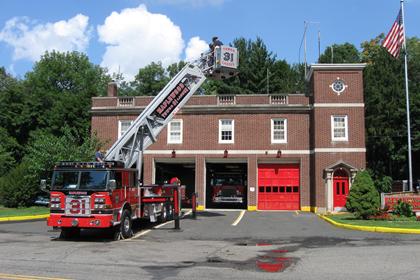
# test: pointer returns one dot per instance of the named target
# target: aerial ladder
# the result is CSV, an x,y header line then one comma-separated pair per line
x,y
100,194
222,63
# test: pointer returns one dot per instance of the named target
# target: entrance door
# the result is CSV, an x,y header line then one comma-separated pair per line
x,y
340,188
278,187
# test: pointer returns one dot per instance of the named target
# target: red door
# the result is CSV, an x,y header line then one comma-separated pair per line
x,y
340,188
278,187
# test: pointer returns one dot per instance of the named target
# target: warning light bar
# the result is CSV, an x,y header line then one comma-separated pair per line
x,y
94,164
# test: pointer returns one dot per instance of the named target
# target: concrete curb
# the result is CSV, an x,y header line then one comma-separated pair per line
x,y
372,229
24,218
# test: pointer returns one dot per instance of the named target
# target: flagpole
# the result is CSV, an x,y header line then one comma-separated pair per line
x,y
407,100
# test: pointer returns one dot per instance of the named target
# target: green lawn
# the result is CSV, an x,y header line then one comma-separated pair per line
x,y
402,222
34,210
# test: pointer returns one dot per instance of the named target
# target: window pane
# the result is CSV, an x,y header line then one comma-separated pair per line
x,y
262,189
93,180
275,189
281,189
279,129
288,189
226,130
295,189
175,131
268,189
339,129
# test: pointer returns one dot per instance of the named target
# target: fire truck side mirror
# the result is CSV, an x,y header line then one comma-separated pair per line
x,y
112,184
44,186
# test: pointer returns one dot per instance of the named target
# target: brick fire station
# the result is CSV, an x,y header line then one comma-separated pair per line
x,y
287,151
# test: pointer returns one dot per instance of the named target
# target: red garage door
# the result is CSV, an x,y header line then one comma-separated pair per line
x,y
278,187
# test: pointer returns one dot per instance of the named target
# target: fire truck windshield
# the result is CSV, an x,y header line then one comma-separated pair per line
x,y
80,180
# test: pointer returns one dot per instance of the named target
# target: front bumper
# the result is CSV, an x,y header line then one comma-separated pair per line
x,y
221,199
93,221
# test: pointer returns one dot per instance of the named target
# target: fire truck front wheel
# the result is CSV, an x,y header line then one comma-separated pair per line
x,y
125,227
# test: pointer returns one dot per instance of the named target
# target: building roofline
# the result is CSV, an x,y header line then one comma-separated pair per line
x,y
333,66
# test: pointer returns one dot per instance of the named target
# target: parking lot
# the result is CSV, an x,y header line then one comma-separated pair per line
x,y
216,245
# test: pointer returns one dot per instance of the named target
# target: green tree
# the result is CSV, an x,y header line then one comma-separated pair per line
x,y
363,199
259,72
8,151
13,115
16,189
385,108
46,149
340,53
150,80
59,91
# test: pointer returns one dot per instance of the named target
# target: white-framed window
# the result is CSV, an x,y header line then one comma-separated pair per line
x,y
278,130
339,128
175,132
226,131
123,126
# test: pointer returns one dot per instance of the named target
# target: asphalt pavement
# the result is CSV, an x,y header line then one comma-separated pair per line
x,y
216,245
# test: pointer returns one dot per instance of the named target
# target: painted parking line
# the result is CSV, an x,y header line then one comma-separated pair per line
x,y
26,277
241,215
155,227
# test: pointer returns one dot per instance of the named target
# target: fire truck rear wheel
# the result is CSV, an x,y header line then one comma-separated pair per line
x,y
69,233
163,215
125,226
170,215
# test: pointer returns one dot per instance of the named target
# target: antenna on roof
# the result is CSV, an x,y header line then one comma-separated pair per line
x,y
305,28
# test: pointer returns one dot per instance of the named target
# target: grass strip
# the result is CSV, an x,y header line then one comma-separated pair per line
x,y
401,222
23,211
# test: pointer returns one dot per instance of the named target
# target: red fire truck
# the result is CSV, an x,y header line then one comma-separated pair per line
x,y
104,195
228,188
109,194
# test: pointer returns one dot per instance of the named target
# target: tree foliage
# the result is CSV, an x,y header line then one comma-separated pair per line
x,y
340,53
16,189
59,91
46,149
386,125
363,199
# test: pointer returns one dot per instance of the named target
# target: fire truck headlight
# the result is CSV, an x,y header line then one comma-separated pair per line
x,y
99,200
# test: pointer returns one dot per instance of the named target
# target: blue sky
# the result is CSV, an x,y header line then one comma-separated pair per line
x,y
129,34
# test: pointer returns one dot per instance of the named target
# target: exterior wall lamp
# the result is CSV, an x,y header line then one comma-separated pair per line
x,y
173,154
278,154
225,154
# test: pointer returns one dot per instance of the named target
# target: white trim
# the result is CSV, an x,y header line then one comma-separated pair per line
x,y
340,150
233,132
119,126
334,66
169,140
256,152
346,128
339,105
276,141
230,152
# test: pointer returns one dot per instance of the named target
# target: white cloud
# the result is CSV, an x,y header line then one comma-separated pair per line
x,y
30,40
136,37
195,48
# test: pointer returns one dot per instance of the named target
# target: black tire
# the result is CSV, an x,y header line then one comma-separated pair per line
x,y
67,233
163,215
170,215
125,227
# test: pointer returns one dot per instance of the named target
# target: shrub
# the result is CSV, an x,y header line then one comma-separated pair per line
x,y
363,199
403,209
16,189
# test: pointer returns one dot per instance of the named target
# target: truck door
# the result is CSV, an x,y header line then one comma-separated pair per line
x,y
126,185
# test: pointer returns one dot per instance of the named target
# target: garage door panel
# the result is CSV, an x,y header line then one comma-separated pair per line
x,y
278,187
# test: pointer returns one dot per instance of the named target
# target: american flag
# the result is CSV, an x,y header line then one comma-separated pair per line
x,y
395,38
